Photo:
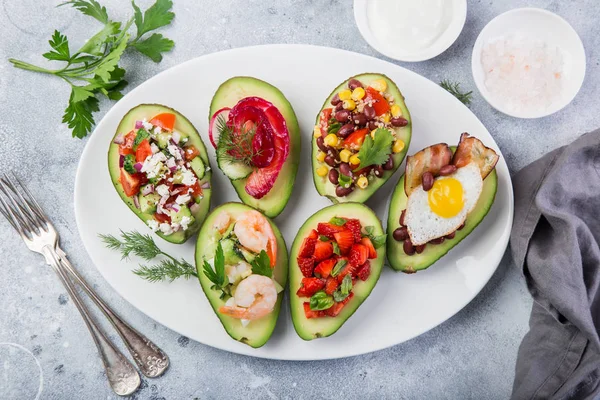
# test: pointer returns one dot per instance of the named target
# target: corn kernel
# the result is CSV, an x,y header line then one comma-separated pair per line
x,y
354,160
380,85
331,140
345,155
345,94
358,93
322,171
317,131
349,105
362,182
321,156
386,118
396,111
398,146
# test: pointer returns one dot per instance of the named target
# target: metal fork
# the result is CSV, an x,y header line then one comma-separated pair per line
x,y
25,215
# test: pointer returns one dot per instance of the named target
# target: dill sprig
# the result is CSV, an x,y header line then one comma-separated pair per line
x,y
454,89
235,147
143,246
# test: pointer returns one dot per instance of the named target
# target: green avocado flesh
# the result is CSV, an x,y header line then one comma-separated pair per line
x,y
182,125
257,332
395,252
228,95
313,328
323,185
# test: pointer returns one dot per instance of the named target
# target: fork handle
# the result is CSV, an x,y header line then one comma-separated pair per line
x,y
121,374
150,359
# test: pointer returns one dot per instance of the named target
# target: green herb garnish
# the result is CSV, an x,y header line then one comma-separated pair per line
x,y
321,301
377,240
333,126
339,265
337,221
141,135
217,275
376,151
261,265
93,70
235,147
454,89
336,248
323,238
344,290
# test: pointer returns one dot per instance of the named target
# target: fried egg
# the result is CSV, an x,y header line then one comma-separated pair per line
x,y
444,208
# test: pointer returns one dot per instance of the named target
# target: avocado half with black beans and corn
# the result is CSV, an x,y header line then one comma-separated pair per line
x,y
405,257
360,138
159,167
241,263
256,135
335,262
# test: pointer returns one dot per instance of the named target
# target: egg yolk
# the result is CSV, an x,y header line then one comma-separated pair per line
x,y
446,197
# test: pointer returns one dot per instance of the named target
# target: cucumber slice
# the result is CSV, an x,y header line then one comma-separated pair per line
x,y
234,171
198,167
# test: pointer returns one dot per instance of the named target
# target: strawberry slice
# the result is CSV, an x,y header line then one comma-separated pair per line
x,y
331,285
313,234
310,286
308,247
306,264
335,310
328,229
359,254
349,269
323,250
354,226
364,271
367,242
345,240
312,313
323,269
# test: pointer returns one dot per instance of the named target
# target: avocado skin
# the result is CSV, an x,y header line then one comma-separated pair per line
x,y
399,261
258,332
309,329
322,184
127,123
227,95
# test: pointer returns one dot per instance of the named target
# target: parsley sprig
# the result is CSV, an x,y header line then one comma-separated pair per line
x,y
454,89
376,151
94,70
217,274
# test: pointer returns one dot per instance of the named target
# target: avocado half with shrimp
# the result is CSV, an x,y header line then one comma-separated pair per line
x,y
424,225
159,167
256,135
335,262
236,230
361,136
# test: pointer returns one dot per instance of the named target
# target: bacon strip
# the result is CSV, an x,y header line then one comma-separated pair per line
x,y
430,159
470,149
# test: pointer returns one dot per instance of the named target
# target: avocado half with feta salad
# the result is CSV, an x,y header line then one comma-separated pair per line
x,y
256,135
442,162
242,264
361,136
159,167
335,262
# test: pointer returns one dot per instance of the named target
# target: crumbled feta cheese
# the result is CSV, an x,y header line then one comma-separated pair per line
x,y
171,162
157,130
153,224
185,222
188,178
166,228
175,226
153,165
154,148
174,150
183,199
162,190
147,125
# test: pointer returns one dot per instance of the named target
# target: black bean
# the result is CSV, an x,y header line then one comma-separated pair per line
x,y
346,130
345,169
330,160
342,116
372,125
342,192
359,119
408,247
389,164
400,234
354,83
336,100
378,171
399,122
427,181
334,176
369,112
321,144
339,106
402,217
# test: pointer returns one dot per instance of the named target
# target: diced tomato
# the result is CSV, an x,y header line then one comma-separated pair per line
x,y
324,122
127,146
143,151
323,269
308,247
190,152
367,242
306,265
358,255
323,250
162,218
335,310
355,140
331,285
345,240
354,226
130,182
328,229
364,271
196,189
310,286
164,120
312,313
379,102
313,234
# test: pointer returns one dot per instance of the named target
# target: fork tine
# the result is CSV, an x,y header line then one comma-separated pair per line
x,y
12,214
23,206
31,201
5,212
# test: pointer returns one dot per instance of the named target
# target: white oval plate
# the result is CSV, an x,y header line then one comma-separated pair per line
x,y
401,306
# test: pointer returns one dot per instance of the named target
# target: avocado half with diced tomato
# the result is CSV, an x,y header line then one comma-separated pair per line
x,y
141,205
396,256
262,150
257,332
327,288
387,109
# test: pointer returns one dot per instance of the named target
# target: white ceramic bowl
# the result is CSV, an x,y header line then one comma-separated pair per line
x,y
444,41
543,25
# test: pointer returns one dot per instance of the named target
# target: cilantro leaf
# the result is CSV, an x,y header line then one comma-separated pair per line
x,y
321,301
261,265
89,7
78,115
344,290
376,151
60,45
156,16
154,46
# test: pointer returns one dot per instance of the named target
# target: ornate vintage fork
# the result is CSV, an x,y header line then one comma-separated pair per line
x,y
26,216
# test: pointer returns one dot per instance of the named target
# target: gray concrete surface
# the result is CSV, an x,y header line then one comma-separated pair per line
x,y
43,342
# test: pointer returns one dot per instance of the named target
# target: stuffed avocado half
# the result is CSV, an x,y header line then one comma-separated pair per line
x,y
335,262
242,262
361,136
256,135
160,169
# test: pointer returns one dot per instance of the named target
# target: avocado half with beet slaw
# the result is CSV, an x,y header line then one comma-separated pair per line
x,y
256,135
159,167
365,116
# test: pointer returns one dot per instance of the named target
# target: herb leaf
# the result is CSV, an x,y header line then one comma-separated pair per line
x,y
454,89
321,301
158,15
377,240
344,290
323,238
261,265
60,45
78,115
95,45
376,151
337,221
154,46
166,270
339,266
217,276
336,248
91,8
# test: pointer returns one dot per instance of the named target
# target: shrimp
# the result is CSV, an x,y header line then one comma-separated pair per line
x,y
222,222
254,232
254,298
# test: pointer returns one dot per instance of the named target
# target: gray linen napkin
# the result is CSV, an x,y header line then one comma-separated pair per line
x,y
555,240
